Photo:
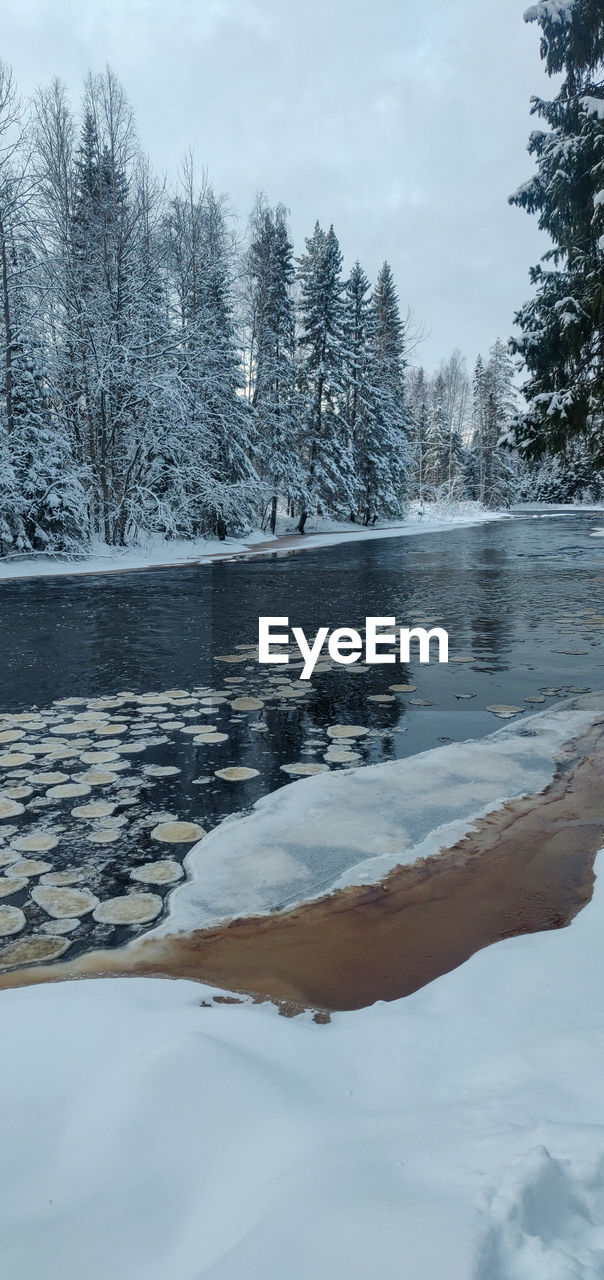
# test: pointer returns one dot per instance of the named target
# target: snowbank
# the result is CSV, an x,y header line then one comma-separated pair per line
x,y
458,1133
352,827
157,553
435,518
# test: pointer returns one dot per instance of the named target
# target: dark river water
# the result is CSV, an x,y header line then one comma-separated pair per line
x,y
522,598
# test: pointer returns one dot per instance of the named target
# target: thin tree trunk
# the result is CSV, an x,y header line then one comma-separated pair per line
x,y
108,532
8,336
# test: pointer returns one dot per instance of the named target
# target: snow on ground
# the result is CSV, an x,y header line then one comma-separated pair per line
x,y
156,552
352,827
422,518
458,1133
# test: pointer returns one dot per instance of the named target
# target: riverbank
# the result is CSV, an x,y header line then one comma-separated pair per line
x,y
523,868
431,858
159,553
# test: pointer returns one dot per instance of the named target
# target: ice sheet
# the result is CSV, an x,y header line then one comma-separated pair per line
x,y
347,827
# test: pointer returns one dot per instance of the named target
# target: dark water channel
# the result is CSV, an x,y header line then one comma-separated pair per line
x,y
522,598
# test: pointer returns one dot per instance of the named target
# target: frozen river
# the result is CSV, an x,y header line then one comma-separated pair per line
x,y
522,600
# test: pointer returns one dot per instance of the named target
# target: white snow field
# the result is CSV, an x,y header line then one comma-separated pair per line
x,y
456,1134
352,827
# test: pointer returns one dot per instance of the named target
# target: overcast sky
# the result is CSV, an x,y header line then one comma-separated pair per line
x,y
403,122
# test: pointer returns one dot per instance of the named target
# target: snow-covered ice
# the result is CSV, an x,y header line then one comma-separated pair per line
x,y
352,827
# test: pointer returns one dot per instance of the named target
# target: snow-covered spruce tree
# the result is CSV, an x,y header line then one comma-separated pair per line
x,y
418,402
584,482
54,506
218,486
380,463
357,408
148,498
568,479
493,409
11,528
561,338
326,452
102,269
388,378
271,354
107,335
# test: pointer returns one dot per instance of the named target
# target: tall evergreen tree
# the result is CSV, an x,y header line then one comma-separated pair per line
x,y
211,462
388,342
419,419
106,383
562,327
357,333
379,447
272,351
493,409
327,455
52,486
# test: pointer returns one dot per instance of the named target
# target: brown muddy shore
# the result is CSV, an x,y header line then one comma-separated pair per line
x,y
527,866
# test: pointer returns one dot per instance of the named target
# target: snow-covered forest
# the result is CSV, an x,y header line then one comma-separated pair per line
x,y
561,327
168,368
